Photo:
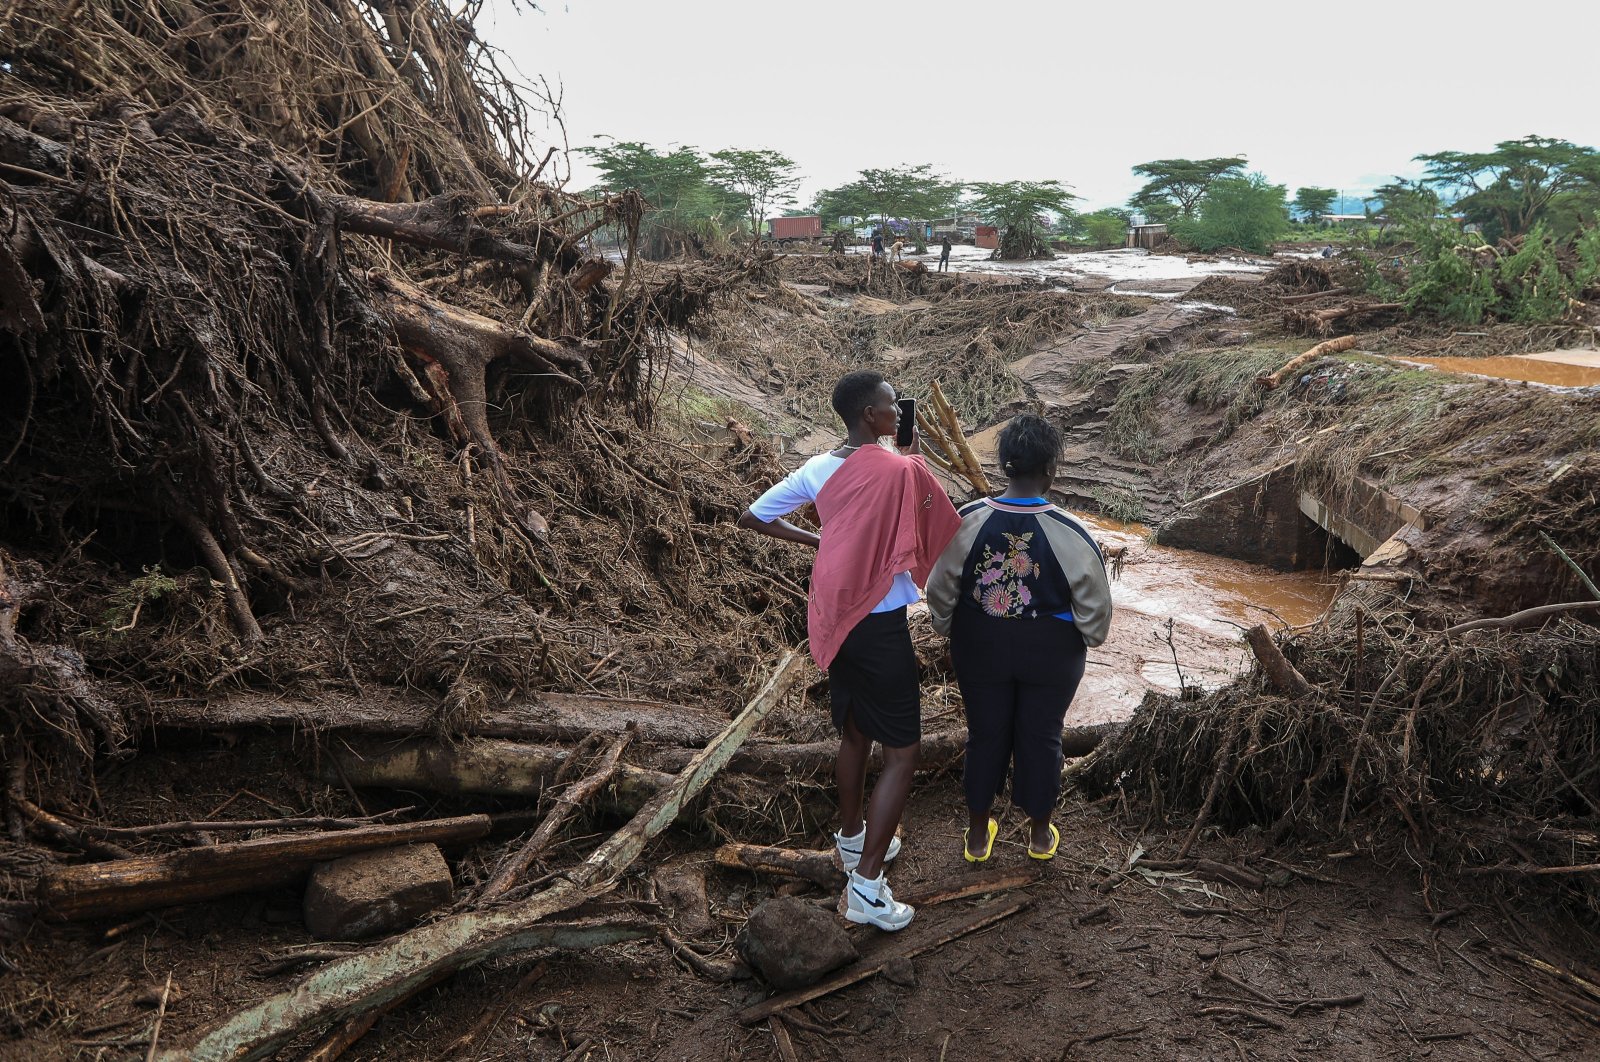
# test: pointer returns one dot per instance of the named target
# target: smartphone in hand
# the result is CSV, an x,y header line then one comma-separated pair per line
x,y
907,428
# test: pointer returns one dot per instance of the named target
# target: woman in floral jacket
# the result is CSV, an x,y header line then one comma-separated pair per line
x,y
1022,593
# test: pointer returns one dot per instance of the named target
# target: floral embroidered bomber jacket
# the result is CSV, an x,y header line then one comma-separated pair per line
x,y
1022,560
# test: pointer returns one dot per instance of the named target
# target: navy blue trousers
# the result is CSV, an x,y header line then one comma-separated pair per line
x,y
1017,677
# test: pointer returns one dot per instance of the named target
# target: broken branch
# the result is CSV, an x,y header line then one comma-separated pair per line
x,y
355,985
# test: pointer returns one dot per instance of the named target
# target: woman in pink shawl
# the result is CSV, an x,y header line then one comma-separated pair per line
x,y
885,520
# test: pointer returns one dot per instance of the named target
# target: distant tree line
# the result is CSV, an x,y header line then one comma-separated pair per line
x,y
699,200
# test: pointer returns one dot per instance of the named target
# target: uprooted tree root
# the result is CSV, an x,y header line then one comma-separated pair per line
x,y
1475,751
314,385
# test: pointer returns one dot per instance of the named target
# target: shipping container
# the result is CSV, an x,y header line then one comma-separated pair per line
x,y
803,228
988,237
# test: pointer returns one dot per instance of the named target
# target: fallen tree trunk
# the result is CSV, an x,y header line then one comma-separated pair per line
x,y
940,751
1321,322
1309,295
352,986
547,717
506,768
1285,678
1271,381
816,867
500,768
102,890
442,224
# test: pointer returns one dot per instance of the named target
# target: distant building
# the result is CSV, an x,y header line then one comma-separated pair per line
x,y
960,227
1148,236
987,237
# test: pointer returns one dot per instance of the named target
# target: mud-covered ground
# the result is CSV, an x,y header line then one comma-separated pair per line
x,y
1349,949
1336,956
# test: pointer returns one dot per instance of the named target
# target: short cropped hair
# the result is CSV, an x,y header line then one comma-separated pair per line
x,y
854,392
1028,444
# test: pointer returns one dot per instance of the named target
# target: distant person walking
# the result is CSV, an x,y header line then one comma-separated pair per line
x,y
1022,592
944,254
877,244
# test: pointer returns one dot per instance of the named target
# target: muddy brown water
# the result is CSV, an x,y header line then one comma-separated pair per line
x,y
1554,368
1209,601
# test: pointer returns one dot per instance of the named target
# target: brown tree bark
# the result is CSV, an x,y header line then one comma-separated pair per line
x,y
101,890
816,867
1282,674
1272,381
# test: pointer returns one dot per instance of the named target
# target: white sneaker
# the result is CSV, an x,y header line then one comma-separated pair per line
x,y
869,902
849,848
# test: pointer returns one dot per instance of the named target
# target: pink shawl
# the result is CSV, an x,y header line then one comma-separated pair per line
x,y
882,513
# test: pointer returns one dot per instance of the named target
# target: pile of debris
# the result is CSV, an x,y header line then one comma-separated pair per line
x,y
327,420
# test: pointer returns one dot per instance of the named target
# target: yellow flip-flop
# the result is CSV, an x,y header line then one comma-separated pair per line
x,y
988,849
1055,842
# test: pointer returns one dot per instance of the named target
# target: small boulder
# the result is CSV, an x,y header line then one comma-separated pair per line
x,y
791,944
373,893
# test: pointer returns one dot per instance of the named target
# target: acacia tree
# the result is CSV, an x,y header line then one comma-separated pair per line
x,y
686,208
1313,203
1509,189
895,192
1019,209
1175,187
1404,202
762,178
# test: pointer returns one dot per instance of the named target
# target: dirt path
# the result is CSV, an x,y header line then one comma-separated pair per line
x,y
1131,972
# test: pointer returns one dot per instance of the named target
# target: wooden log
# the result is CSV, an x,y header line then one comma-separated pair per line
x,y
102,890
907,944
1528,617
545,717
1282,674
1271,381
940,751
352,986
981,885
499,768
507,768
1308,296
818,868
312,822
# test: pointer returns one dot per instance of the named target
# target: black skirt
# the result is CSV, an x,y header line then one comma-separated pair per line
x,y
874,680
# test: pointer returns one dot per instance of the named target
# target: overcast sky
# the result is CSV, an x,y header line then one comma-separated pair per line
x,y
1337,95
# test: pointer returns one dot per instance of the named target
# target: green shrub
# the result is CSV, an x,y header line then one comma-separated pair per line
x,y
1243,212
1455,276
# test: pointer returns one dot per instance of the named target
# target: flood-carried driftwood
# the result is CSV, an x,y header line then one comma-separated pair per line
x,y
509,768
102,890
351,986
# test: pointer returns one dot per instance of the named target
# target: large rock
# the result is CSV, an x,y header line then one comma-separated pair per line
x,y
373,893
791,943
